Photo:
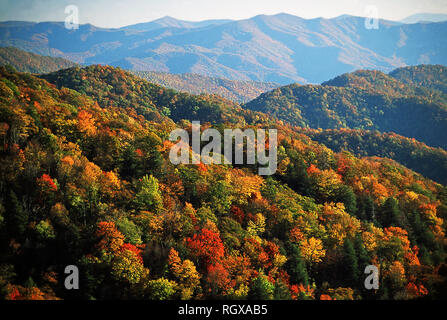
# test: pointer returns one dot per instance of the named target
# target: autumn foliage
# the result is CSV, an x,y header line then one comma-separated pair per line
x,y
88,170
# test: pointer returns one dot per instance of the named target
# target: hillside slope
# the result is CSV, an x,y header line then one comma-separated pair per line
x,y
237,91
430,162
97,81
93,186
115,87
367,100
29,62
427,76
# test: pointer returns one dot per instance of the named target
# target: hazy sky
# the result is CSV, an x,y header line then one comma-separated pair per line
x,y
117,13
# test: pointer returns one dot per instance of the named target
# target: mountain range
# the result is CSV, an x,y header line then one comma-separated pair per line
x,y
234,90
86,179
333,106
30,62
425,17
170,22
367,100
351,109
280,48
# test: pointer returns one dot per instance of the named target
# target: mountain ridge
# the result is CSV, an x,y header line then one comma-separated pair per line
x,y
237,91
85,177
234,90
269,48
425,17
168,21
368,100
24,61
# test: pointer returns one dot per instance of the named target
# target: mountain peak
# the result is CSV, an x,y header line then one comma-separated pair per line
x,y
425,17
277,15
281,48
166,18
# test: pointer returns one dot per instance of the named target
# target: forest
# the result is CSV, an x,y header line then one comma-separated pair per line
x,y
413,104
234,90
29,62
430,162
85,180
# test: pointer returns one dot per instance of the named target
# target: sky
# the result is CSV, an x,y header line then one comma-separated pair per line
x,y
118,13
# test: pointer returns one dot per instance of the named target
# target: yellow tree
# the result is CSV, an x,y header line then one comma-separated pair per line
x,y
312,250
186,274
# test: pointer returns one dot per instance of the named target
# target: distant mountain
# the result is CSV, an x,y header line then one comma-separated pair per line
x,y
425,17
281,48
234,90
368,100
167,22
29,62
237,91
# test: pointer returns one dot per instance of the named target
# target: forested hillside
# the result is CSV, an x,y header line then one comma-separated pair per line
x,y
428,76
85,180
428,161
115,87
367,100
29,62
238,91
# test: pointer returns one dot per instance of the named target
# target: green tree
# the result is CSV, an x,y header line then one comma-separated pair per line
x,y
295,266
350,265
16,216
390,214
161,289
346,195
366,208
148,196
261,289
363,257
281,291
130,166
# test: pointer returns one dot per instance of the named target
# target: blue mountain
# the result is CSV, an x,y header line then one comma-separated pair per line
x,y
280,48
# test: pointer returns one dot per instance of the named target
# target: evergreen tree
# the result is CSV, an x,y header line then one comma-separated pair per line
x,y
281,291
390,214
363,257
261,289
346,195
350,265
366,209
129,164
16,216
295,266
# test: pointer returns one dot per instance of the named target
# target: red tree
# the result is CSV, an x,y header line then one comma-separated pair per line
x,y
207,246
